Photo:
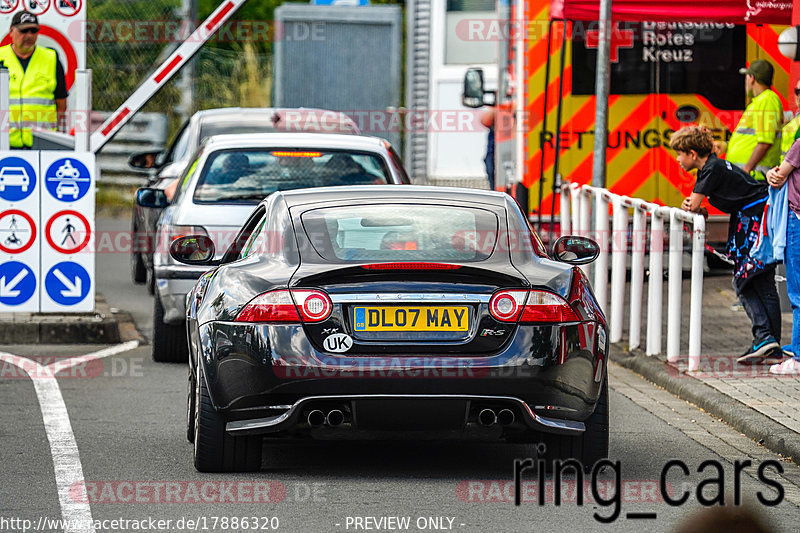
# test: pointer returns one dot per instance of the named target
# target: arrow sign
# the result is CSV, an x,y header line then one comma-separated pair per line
x,y
17,283
67,283
73,290
7,291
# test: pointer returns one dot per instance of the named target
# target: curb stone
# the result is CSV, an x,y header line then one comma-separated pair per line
x,y
759,427
104,326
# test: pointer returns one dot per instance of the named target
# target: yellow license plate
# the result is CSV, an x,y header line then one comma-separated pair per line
x,y
411,318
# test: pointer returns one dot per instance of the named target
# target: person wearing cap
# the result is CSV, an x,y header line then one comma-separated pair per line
x,y
755,144
38,92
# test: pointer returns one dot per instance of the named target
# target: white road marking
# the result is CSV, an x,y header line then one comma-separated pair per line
x,y
72,498
63,364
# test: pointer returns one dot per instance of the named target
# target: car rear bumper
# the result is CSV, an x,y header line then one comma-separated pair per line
x,y
397,411
265,379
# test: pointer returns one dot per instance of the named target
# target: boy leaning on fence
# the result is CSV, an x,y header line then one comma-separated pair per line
x,y
732,191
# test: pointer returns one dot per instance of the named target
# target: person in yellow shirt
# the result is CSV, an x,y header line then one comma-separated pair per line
x,y
38,91
755,145
791,131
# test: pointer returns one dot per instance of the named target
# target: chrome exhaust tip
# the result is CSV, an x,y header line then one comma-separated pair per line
x,y
316,418
487,417
505,417
335,417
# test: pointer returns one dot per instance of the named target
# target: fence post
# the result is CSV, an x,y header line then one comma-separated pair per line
x,y
638,240
696,305
655,282
585,211
601,265
575,192
675,278
619,254
565,210
83,82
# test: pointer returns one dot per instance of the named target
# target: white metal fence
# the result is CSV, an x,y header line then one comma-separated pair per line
x,y
582,204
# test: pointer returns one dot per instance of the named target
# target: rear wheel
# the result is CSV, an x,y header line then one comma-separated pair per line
x,y
214,449
138,269
150,280
190,406
169,341
590,447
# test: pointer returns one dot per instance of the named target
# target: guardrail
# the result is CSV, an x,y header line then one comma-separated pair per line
x,y
581,203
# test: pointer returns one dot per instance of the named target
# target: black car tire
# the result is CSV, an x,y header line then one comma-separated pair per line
x,y
150,280
588,448
169,341
138,270
190,406
594,442
214,449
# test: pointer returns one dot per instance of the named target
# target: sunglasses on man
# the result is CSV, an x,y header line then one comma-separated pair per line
x,y
29,30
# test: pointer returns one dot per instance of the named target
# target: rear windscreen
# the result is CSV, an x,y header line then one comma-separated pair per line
x,y
248,175
401,233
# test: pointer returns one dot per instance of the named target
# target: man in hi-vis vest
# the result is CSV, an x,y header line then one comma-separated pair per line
x,y
755,145
38,92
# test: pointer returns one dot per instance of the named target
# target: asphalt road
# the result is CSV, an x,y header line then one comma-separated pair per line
x,y
127,415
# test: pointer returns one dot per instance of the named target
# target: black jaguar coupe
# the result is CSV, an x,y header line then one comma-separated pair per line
x,y
393,312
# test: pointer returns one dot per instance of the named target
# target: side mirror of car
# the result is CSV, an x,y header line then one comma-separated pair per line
x,y
473,88
193,250
151,197
145,160
575,250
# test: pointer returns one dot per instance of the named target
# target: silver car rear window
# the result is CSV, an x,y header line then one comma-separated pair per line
x,y
248,175
401,232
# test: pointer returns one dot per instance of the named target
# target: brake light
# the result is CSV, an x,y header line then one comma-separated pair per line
x,y
284,306
506,305
314,306
273,306
296,154
530,307
411,266
542,306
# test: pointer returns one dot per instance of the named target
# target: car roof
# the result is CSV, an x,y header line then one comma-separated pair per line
x,y
224,114
295,139
357,193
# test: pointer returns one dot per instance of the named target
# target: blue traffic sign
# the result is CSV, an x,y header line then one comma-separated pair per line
x,y
17,283
67,179
67,283
17,179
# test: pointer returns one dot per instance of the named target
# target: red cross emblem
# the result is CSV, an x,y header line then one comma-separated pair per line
x,y
619,39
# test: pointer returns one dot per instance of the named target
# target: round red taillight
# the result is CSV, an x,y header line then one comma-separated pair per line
x,y
506,305
314,305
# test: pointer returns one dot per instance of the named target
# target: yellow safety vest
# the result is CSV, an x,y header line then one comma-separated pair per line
x,y
760,123
31,94
790,132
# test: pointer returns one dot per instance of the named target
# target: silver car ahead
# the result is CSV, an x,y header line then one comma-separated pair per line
x,y
230,175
